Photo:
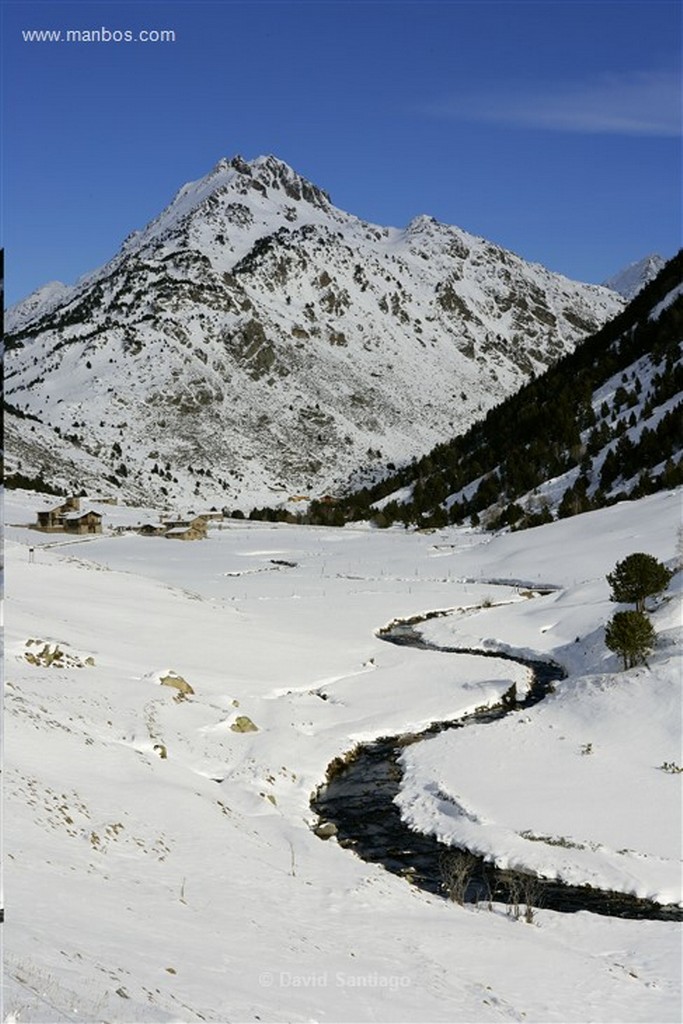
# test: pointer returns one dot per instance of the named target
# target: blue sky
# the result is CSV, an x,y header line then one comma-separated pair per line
x,y
552,128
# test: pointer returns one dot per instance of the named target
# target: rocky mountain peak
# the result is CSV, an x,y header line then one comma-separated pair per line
x,y
269,172
276,174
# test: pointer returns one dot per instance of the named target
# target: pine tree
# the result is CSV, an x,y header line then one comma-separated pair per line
x,y
631,635
637,577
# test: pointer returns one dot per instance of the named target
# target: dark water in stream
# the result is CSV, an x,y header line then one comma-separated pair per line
x,y
358,799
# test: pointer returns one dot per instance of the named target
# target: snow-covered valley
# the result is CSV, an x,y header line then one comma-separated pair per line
x,y
160,862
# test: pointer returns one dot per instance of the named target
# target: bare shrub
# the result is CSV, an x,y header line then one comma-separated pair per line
x,y
456,868
533,893
521,889
511,882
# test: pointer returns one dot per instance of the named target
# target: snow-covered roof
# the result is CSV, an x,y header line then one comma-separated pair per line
x,y
73,516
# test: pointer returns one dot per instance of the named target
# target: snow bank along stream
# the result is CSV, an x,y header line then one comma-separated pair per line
x,y
358,798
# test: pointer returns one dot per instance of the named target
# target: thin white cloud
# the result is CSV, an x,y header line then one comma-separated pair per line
x,y
637,103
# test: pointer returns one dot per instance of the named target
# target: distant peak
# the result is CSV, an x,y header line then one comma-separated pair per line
x,y
38,303
423,222
424,228
633,278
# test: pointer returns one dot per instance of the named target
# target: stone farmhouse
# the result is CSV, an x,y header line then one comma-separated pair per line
x,y
193,528
70,518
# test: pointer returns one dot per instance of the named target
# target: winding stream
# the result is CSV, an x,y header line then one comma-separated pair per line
x,y
358,798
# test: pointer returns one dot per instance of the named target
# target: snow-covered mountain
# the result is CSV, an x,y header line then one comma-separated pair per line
x,y
254,343
633,278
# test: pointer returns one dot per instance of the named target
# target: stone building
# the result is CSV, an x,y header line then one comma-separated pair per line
x,y
53,518
70,518
192,529
83,522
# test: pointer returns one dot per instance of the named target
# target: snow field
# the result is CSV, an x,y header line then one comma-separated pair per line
x,y
142,888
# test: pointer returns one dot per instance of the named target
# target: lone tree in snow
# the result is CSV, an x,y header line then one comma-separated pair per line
x,y
631,635
637,577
